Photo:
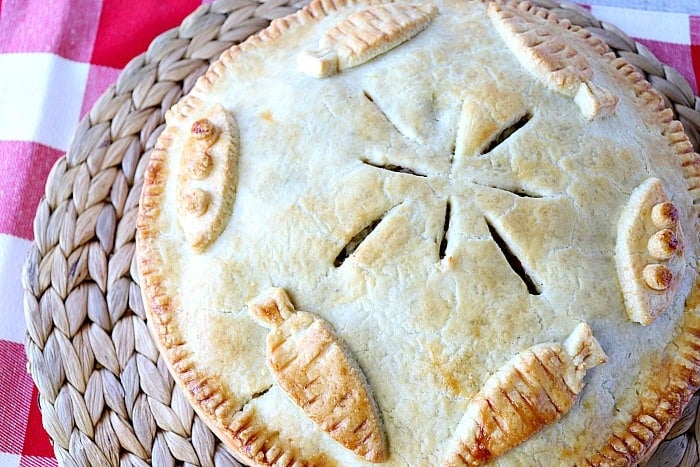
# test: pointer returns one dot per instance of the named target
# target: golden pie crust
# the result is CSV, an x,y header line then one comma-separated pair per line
x,y
425,233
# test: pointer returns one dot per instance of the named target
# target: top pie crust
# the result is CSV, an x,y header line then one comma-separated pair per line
x,y
425,233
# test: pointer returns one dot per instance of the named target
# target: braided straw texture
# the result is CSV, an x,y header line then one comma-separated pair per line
x,y
104,391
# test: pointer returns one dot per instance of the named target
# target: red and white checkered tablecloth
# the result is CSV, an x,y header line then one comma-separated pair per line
x,y
57,57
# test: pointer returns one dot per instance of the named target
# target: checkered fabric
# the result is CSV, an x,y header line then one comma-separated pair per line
x,y
56,58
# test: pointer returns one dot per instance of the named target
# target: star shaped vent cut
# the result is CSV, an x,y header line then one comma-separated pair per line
x,y
478,166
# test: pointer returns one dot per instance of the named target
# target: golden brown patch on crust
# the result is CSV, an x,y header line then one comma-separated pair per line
x,y
266,116
445,370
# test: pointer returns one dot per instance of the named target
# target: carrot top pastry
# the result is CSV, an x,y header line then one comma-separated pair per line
x,y
536,387
311,366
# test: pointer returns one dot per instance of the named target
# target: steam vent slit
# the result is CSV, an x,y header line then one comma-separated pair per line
x,y
525,194
507,132
261,393
519,192
393,168
513,261
256,395
445,229
356,241
381,111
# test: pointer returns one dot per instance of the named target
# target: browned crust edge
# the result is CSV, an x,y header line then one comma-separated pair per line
x,y
240,429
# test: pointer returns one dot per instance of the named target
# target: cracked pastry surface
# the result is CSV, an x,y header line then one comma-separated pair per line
x,y
437,209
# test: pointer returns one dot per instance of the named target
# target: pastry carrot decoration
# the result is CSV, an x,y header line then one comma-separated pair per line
x,y
364,35
309,363
536,387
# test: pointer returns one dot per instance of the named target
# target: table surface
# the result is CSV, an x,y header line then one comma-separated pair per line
x,y
56,59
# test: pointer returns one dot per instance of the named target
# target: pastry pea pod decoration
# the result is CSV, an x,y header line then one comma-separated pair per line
x,y
207,178
318,374
649,253
363,36
535,388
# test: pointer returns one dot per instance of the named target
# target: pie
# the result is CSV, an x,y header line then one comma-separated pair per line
x,y
425,233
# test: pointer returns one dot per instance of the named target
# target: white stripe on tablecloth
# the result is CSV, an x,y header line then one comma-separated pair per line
x,y
13,252
41,97
9,460
653,25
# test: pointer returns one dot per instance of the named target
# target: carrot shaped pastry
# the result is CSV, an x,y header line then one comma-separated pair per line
x,y
365,35
536,387
552,58
319,375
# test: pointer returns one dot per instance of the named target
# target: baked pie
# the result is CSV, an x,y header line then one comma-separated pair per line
x,y
425,233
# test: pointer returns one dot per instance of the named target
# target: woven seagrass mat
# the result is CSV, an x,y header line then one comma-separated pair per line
x,y
105,394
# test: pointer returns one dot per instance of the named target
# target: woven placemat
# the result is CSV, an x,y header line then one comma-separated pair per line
x,y
105,394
